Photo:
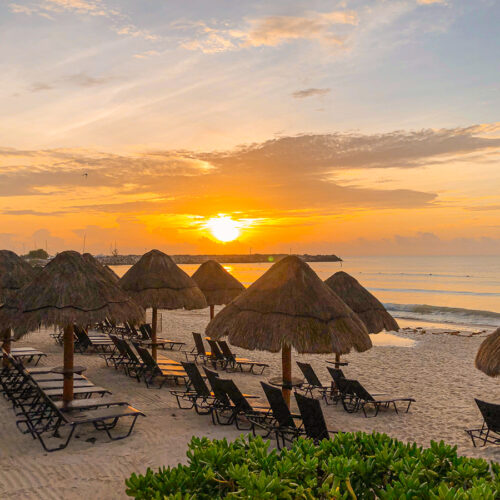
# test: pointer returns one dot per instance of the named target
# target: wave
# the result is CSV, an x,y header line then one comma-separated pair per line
x,y
444,314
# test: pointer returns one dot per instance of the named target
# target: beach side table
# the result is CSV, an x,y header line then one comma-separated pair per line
x,y
337,364
278,382
76,369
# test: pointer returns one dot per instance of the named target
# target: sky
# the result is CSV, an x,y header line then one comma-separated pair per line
x,y
347,127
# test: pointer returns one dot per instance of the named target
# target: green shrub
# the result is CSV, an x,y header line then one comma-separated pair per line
x,y
349,466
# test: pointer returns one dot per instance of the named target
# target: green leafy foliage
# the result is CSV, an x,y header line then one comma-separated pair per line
x,y
349,466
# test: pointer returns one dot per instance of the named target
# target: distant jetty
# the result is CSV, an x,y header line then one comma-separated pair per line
x,y
129,260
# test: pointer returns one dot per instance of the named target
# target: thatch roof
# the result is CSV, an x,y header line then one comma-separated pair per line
x,y
362,302
108,273
69,289
290,305
14,273
218,286
488,356
157,281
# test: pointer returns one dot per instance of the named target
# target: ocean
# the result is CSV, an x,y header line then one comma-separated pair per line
x,y
454,292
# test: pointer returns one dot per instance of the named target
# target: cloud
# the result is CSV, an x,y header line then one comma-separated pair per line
x,y
430,2
301,94
269,31
422,243
84,80
146,54
274,30
35,213
40,86
120,23
290,177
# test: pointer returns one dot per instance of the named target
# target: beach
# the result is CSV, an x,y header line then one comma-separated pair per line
x,y
438,371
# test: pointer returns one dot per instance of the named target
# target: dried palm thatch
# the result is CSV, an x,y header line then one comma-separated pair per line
x,y
156,281
218,286
70,289
362,302
290,306
488,356
108,273
14,274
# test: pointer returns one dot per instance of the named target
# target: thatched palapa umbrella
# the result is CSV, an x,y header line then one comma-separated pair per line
x,y
14,274
107,272
371,311
69,290
218,286
488,356
156,281
289,306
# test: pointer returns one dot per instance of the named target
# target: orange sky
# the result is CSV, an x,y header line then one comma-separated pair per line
x,y
359,127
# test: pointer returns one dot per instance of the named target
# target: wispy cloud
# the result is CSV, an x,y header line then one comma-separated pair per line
x,y
274,30
429,2
301,94
78,79
40,86
120,23
270,31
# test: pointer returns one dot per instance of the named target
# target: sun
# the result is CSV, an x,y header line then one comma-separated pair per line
x,y
223,228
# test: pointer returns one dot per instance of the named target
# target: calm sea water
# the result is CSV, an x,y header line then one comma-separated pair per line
x,y
462,291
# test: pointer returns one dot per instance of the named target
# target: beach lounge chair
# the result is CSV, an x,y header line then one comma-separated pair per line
x,y
285,428
27,354
235,362
50,420
154,370
336,374
312,382
197,393
313,419
199,352
216,355
240,407
98,343
147,335
490,430
355,397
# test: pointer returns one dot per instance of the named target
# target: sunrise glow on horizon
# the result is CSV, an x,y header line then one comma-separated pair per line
x,y
351,127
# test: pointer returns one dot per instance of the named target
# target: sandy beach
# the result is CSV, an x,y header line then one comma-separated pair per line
x,y
438,371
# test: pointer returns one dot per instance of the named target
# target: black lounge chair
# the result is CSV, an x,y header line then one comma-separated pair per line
x,y
27,354
216,356
355,397
240,407
312,416
235,362
197,393
50,419
199,350
285,428
490,430
312,382
154,370
147,333
336,374
98,343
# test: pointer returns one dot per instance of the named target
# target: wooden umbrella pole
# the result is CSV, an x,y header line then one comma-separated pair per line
x,y
6,347
154,321
212,314
286,360
337,360
68,366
